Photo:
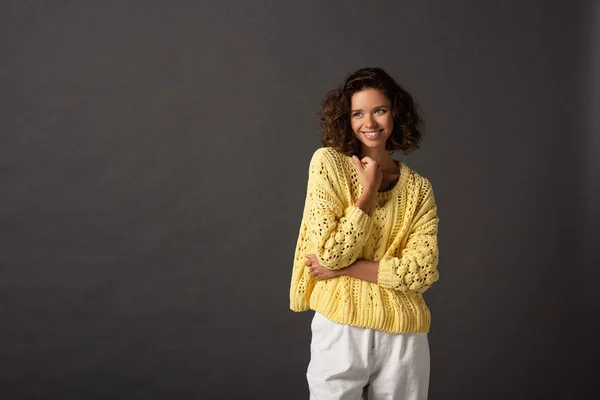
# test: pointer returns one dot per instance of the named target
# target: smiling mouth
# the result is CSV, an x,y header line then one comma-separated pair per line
x,y
372,134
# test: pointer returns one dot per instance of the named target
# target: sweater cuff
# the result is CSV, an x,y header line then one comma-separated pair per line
x,y
387,276
358,220
356,214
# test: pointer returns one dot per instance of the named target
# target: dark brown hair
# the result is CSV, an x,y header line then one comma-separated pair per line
x,y
334,115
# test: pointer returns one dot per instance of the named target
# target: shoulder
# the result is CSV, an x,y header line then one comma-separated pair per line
x,y
417,183
328,157
328,153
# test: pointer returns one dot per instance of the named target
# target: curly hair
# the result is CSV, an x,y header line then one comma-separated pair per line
x,y
334,114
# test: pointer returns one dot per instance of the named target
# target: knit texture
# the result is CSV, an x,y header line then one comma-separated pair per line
x,y
400,232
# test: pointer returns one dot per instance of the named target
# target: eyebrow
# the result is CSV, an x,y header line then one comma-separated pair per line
x,y
374,108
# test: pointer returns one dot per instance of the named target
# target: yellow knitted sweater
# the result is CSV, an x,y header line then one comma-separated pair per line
x,y
400,232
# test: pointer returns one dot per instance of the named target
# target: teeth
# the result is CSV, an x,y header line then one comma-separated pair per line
x,y
371,133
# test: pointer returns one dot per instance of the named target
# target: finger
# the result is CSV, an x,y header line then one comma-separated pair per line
x,y
357,163
308,263
369,161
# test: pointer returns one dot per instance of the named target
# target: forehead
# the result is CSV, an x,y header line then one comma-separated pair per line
x,y
369,98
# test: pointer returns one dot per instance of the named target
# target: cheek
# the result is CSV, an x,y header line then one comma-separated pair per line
x,y
389,122
354,125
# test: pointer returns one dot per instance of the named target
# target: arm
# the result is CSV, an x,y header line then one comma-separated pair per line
x,y
366,200
337,234
365,270
416,269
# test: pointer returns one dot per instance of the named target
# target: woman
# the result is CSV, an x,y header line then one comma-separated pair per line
x,y
367,247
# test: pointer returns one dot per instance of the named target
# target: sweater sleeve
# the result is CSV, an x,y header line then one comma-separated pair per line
x,y
337,233
416,269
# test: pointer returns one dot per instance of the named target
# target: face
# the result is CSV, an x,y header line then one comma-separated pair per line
x,y
371,118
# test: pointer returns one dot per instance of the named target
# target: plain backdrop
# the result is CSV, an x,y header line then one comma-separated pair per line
x,y
154,160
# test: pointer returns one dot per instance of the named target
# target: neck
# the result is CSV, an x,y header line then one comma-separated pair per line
x,y
380,155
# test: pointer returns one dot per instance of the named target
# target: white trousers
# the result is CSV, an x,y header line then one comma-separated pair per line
x,y
351,363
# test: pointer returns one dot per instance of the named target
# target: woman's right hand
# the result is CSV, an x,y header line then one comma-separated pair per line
x,y
369,173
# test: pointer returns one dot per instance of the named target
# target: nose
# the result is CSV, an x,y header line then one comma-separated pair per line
x,y
370,121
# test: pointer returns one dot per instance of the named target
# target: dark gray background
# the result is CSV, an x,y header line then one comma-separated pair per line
x,y
154,164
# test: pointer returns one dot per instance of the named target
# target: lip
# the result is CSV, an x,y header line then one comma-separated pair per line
x,y
373,137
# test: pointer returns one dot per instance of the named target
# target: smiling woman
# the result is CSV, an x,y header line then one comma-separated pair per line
x,y
341,111
371,124
367,247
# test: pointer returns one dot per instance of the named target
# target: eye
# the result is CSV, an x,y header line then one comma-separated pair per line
x,y
356,114
380,111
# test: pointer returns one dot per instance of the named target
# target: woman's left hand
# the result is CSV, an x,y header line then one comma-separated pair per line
x,y
317,270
